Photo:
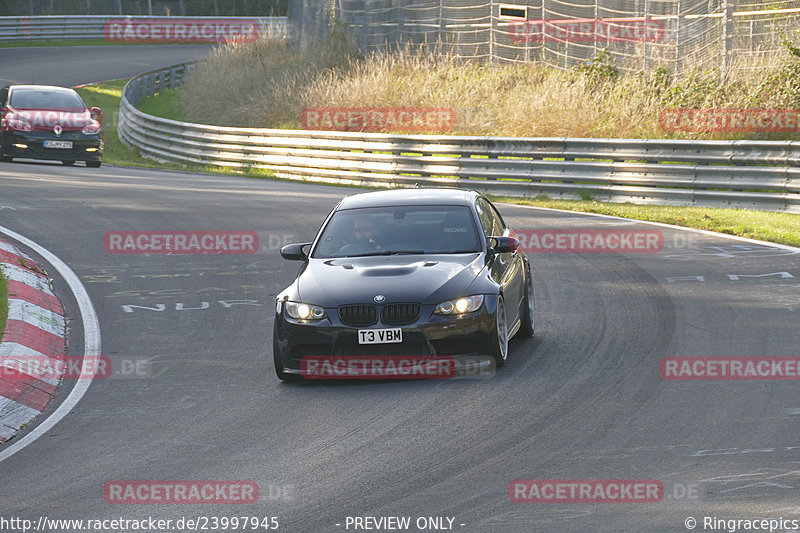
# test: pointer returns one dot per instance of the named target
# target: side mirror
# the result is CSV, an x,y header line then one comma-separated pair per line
x,y
97,114
503,245
294,252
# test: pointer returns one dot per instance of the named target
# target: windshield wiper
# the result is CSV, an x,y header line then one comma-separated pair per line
x,y
388,252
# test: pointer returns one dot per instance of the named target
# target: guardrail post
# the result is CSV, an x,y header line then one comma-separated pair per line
x,y
173,73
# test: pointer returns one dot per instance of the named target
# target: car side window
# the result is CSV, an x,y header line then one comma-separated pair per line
x,y
498,227
491,222
485,216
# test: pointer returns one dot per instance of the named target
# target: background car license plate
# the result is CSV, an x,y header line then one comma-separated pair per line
x,y
58,144
380,336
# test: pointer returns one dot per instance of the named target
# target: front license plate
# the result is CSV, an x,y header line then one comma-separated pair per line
x,y
380,336
58,144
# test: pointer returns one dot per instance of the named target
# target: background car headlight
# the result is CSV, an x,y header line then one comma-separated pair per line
x,y
304,311
459,306
91,128
18,123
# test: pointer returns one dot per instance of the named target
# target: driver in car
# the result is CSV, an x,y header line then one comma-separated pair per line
x,y
364,232
364,236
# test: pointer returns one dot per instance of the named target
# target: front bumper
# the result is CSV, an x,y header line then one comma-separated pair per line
x,y
84,147
467,340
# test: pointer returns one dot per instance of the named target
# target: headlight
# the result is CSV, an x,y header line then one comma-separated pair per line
x,y
459,306
91,128
18,123
304,311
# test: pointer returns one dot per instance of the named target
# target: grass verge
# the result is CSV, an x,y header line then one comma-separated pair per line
x,y
106,95
165,104
781,228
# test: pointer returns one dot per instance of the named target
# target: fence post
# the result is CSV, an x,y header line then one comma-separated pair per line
x,y
678,40
594,33
442,28
646,43
491,32
727,36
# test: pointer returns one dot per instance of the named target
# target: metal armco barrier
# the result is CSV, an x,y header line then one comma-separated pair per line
x,y
761,175
46,28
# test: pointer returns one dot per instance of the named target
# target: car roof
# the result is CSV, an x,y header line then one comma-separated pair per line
x,y
441,196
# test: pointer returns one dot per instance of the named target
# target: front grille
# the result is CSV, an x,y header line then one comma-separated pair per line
x,y
400,314
358,315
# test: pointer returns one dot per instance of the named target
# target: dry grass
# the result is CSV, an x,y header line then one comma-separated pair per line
x,y
258,84
266,84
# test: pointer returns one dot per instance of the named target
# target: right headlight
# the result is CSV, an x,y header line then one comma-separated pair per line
x,y
460,306
304,311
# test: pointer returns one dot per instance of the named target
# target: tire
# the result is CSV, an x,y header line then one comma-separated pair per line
x,y
93,164
500,334
276,358
528,311
68,163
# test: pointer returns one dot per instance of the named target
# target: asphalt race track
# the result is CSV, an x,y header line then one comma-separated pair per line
x,y
582,400
75,65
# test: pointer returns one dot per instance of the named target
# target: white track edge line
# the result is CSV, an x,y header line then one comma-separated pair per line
x,y
91,333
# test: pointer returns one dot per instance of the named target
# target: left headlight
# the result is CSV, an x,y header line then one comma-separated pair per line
x,y
17,122
304,311
91,128
459,306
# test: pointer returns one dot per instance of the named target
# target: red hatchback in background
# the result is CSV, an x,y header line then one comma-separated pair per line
x,y
45,122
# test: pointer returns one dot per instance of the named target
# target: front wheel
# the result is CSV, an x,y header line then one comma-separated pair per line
x,y
500,334
67,163
528,317
93,164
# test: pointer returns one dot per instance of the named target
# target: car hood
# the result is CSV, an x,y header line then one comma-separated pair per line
x,y
405,278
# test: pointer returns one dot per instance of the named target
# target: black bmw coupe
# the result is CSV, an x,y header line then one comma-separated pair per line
x,y
423,273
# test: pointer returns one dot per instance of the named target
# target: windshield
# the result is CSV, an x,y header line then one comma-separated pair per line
x,y
398,230
46,99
